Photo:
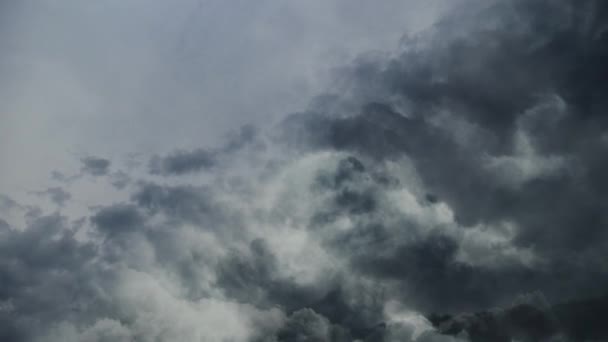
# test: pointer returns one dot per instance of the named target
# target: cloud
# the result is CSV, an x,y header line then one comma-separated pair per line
x,y
42,284
450,176
484,113
571,321
7,203
183,162
120,180
95,166
57,195
307,325
74,290
118,218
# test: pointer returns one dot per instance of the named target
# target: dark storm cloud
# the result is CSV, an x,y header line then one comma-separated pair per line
x,y
503,125
321,312
307,325
95,166
422,259
501,112
47,283
575,320
452,177
56,287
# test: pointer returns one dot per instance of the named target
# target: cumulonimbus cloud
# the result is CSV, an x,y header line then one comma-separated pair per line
x,y
451,178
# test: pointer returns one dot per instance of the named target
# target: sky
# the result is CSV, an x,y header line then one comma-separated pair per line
x,y
343,170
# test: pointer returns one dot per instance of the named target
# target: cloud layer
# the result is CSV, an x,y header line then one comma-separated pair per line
x,y
451,190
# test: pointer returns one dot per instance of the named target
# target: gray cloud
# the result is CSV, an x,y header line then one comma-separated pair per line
x,y
574,320
494,151
7,203
182,203
95,166
307,325
47,282
56,195
182,162
416,201
120,180
117,218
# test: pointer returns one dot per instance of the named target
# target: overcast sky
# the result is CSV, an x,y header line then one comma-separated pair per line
x,y
320,170
116,77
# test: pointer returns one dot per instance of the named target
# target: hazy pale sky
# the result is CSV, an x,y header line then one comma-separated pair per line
x,y
116,77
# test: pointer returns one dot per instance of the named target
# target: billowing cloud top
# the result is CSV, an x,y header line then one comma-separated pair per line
x,y
452,189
